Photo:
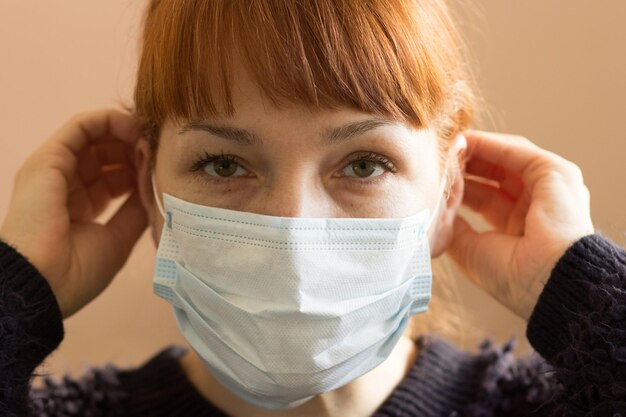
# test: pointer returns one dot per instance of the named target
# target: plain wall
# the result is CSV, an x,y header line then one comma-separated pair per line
x,y
552,71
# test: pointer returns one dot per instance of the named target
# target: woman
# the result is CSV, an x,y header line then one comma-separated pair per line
x,y
299,164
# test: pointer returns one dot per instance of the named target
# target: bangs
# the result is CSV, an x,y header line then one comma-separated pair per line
x,y
394,58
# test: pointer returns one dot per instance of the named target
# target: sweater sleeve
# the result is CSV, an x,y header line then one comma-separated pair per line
x,y
579,326
31,327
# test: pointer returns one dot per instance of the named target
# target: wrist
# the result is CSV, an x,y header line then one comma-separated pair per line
x,y
26,298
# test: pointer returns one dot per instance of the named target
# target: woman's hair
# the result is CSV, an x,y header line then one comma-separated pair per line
x,y
401,59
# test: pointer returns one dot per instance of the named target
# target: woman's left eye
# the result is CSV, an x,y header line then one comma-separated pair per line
x,y
368,166
219,166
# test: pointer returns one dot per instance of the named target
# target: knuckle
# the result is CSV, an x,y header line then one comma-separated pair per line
x,y
26,167
567,168
55,157
574,171
61,154
522,140
79,116
586,193
19,174
76,118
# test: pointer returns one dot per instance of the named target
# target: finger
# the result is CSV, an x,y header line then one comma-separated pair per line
x,y
494,204
508,181
481,256
86,202
113,152
98,185
119,179
100,195
126,227
97,161
108,252
88,165
69,145
97,126
515,154
78,205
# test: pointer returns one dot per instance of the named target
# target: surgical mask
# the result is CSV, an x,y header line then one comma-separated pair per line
x,y
281,309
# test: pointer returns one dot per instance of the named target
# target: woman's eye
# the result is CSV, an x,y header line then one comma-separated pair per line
x,y
367,167
224,168
363,169
219,166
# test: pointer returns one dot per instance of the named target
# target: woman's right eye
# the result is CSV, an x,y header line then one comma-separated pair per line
x,y
219,166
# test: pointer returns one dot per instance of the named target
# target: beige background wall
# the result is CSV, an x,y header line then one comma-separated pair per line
x,y
552,71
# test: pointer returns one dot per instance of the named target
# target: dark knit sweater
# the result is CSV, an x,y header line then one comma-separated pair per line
x,y
578,327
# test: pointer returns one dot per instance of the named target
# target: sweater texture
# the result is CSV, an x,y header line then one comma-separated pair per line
x,y
577,328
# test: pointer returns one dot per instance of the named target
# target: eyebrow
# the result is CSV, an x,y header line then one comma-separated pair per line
x,y
330,135
350,130
241,136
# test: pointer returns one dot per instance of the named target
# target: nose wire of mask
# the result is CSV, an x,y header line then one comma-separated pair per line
x,y
303,305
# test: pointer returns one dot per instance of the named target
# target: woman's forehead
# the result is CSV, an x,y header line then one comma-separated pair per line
x,y
294,130
252,107
316,53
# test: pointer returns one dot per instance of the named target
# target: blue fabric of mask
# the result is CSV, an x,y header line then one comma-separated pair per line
x,y
281,309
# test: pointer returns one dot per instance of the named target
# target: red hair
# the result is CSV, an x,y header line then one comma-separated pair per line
x,y
395,58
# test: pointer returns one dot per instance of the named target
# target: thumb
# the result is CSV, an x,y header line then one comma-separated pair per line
x,y
463,245
127,225
483,257
105,250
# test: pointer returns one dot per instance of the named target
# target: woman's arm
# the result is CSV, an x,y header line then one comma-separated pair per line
x,y
579,326
31,326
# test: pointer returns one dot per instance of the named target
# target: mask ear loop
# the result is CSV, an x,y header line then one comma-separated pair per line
x,y
460,144
156,197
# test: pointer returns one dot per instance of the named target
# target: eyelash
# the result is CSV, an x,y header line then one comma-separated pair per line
x,y
207,158
200,163
376,158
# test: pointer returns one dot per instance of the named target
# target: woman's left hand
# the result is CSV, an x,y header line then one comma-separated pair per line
x,y
538,205
60,191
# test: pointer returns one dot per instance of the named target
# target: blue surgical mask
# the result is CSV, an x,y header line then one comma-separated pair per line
x,y
281,309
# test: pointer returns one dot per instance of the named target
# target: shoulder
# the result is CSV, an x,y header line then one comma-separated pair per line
x,y
105,388
512,385
490,381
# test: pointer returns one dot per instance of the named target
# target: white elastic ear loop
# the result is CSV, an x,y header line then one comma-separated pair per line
x,y
156,196
460,143
442,188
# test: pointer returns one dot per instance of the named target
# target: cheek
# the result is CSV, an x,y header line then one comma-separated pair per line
x,y
234,196
395,198
401,198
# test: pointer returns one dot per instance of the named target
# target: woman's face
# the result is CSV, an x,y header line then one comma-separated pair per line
x,y
296,162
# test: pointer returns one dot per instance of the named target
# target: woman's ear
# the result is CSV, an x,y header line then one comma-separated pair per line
x,y
443,227
143,155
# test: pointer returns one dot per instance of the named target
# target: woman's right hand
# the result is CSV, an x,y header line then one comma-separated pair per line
x,y
538,205
58,193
